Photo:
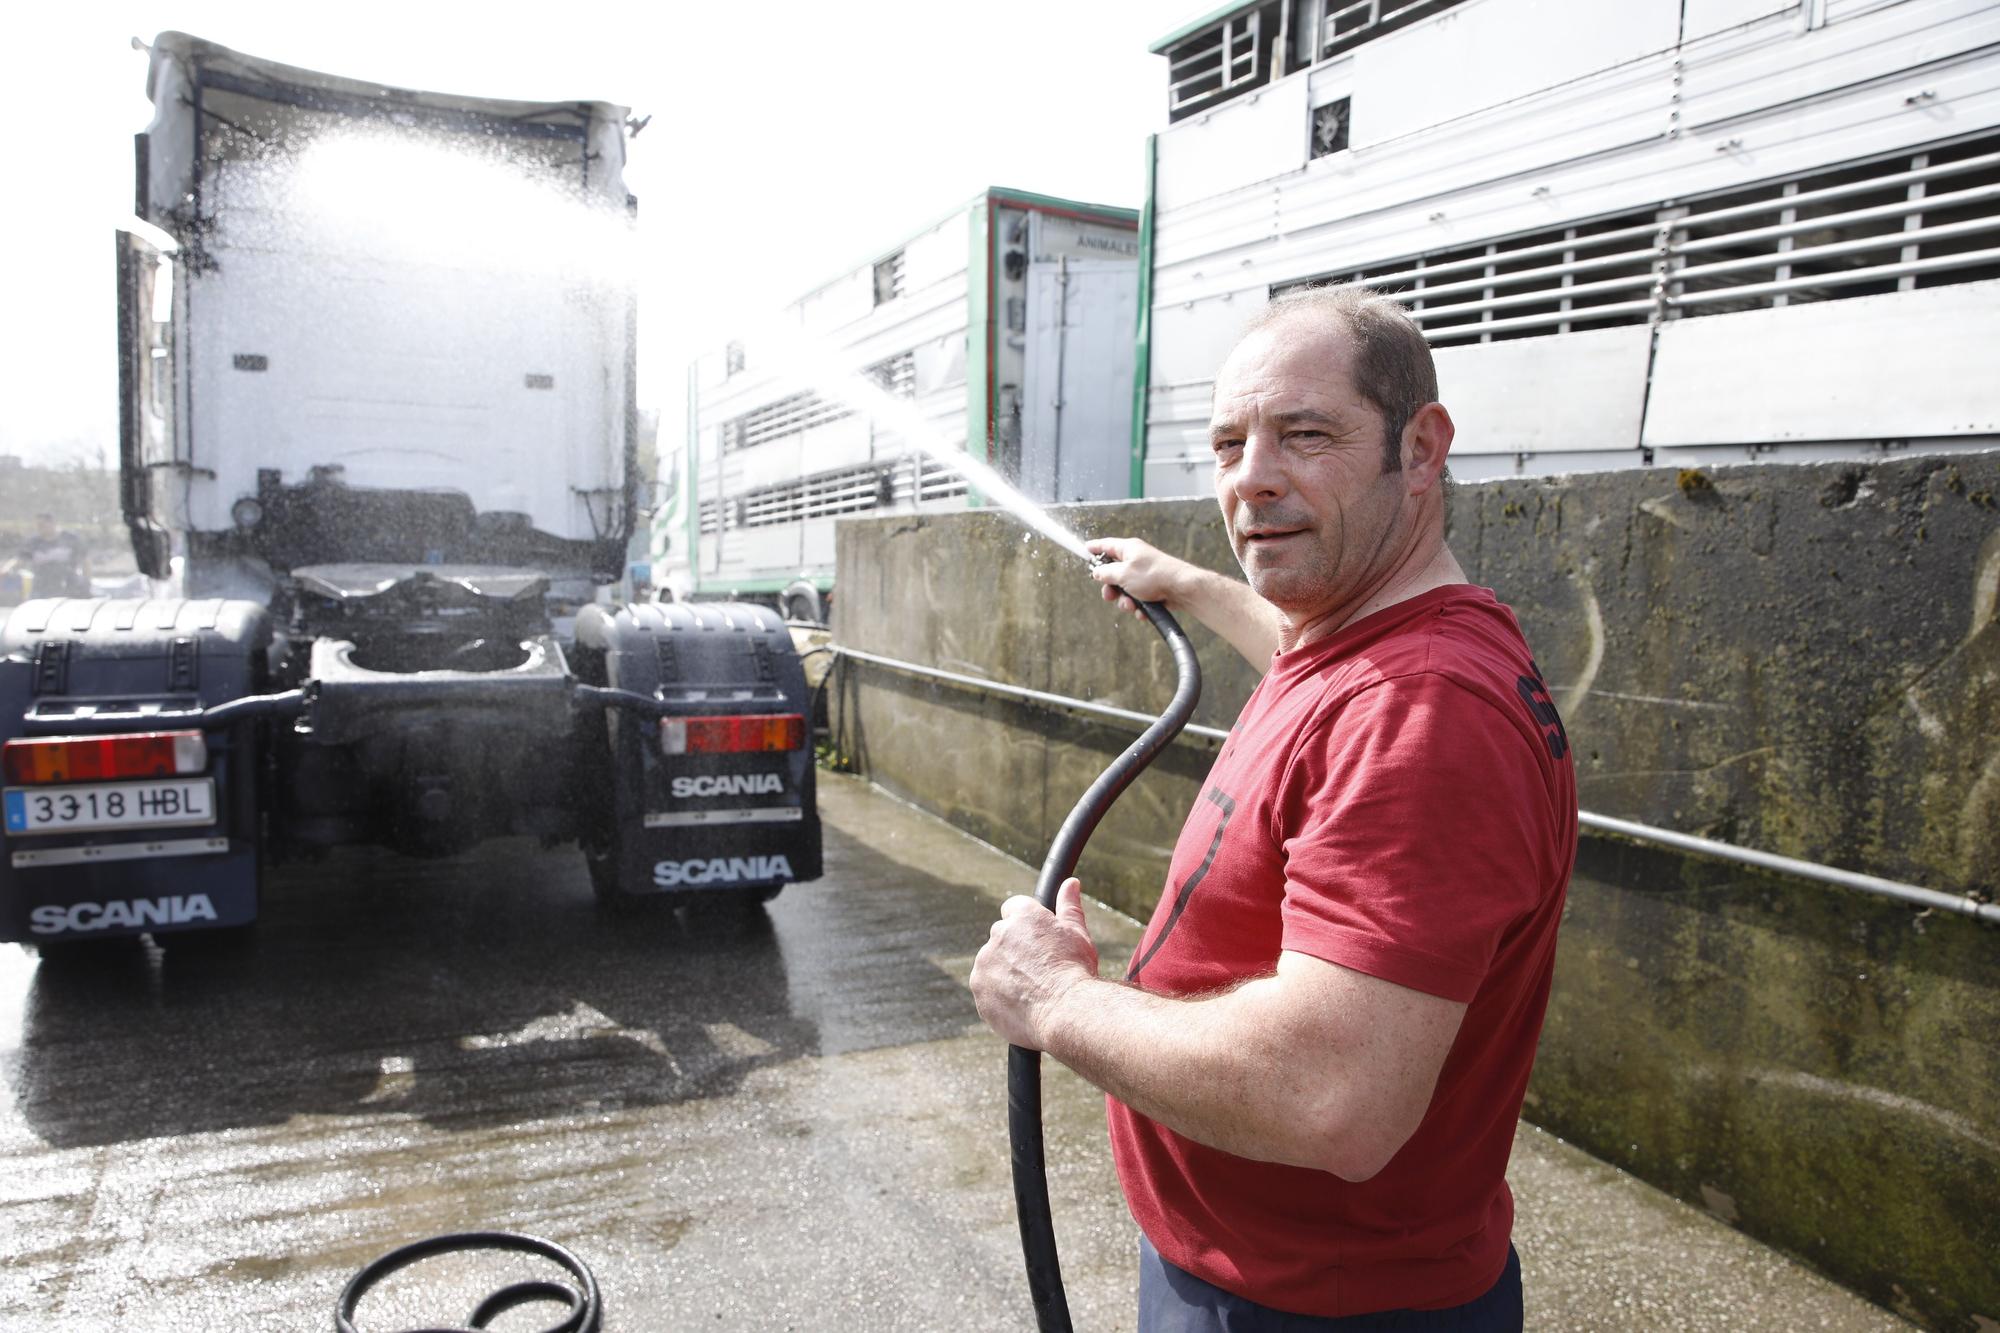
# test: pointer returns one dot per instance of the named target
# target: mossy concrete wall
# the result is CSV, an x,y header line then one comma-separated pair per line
x,y
1797,658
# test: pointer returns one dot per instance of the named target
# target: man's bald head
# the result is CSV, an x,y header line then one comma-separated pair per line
x,y
1392,362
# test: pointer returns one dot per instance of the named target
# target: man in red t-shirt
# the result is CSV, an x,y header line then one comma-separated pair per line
x,y
1318,1055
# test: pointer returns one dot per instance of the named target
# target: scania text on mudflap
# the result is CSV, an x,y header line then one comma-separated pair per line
x,y
378,459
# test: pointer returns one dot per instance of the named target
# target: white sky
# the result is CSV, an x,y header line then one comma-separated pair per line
x,y
790,141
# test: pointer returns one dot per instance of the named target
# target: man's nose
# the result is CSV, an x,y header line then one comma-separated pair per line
x,y
1260,474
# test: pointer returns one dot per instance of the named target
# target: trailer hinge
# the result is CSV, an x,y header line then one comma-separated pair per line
x,y
669,660
52,666
182,672
766,673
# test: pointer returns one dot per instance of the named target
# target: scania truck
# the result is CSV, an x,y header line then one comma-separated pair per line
x,y
377,459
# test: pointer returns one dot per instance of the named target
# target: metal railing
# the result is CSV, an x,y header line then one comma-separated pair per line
x,y
1788,865
1912,894
1061,702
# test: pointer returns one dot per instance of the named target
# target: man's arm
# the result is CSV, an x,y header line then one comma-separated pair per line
x,y
1316,1065
1226,605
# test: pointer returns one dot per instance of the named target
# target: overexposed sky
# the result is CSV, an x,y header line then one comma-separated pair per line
x,y
789,142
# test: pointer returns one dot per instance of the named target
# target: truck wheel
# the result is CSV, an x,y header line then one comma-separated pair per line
x,y
224,956
227,942
78,955
802,601
602,863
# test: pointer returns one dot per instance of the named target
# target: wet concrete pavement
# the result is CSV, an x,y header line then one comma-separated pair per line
x,y
794,1124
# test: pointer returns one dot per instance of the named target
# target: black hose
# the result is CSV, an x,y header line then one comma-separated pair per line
x,y
1024,1067
609,696
288,704
586,1307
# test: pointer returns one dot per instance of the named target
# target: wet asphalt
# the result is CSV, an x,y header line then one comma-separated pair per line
x,y
794,1121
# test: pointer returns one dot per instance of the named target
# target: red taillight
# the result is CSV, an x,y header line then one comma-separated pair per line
x,y
157,754
732,735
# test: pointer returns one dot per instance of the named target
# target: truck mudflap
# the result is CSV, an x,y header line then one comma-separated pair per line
x,y
712,792
123,813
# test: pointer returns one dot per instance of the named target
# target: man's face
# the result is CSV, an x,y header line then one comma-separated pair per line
x,y
45,526
1314,520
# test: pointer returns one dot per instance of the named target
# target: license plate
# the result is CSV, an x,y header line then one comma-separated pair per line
x,y
84,807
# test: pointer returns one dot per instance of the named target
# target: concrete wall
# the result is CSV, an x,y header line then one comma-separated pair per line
x,y
1799,658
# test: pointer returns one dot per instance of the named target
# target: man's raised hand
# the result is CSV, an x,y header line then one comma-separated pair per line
x,y
1144,573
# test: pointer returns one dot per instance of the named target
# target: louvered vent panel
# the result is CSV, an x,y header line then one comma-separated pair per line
x,y
831,494
1348,23
775,421
1892,224
1215,64
802,411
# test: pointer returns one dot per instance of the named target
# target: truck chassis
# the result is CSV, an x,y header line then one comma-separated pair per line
x,y
159,754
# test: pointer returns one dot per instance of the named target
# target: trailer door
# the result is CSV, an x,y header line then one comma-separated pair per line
x,y
145,394
1076,426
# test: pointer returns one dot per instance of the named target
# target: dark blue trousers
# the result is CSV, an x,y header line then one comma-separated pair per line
x,y
1173,1300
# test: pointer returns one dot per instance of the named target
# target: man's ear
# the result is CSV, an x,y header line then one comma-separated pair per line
x,y
1426,447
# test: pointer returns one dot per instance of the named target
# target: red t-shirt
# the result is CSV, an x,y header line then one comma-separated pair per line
x,y
1397,799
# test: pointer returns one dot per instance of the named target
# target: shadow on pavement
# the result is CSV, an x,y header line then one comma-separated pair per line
x,y
483,990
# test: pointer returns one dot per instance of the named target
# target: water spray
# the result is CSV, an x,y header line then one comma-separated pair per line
x,y
861,394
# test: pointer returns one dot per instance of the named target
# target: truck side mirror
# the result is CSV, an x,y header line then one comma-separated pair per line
x,y
658,494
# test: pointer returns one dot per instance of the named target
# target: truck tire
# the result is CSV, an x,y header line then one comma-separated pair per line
x,y
598,827
727,911
802,602
602,861
81,955
224,956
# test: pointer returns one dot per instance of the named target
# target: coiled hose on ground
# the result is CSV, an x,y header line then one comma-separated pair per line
x,y
579,1294
1024,1067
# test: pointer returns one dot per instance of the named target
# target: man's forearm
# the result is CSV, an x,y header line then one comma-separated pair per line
x,y
1196,1067
1232,609
1314,1065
